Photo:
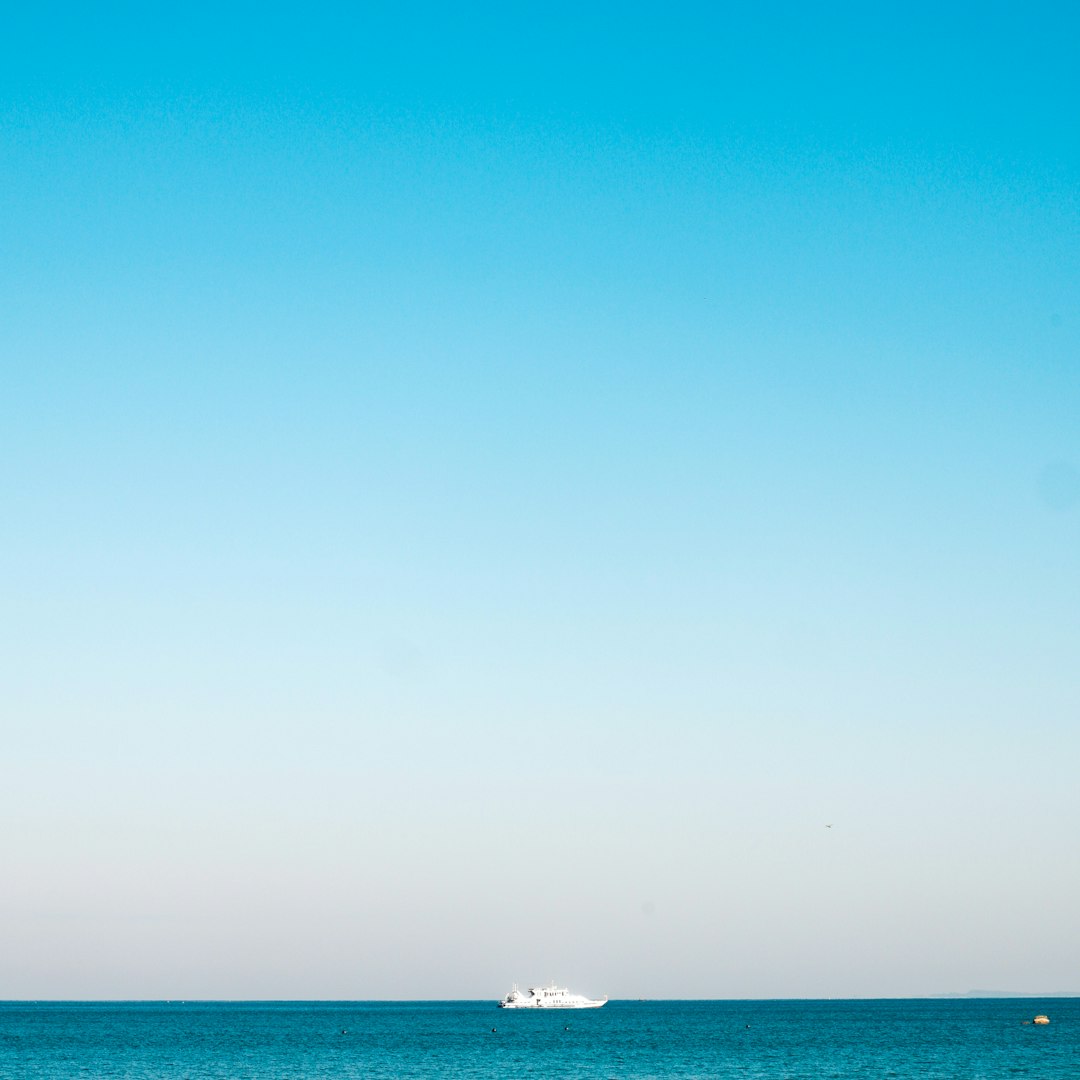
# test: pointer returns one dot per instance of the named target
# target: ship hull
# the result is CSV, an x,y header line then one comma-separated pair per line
x,y
547,1005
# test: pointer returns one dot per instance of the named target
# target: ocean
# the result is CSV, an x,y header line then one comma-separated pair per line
x,y
808,1040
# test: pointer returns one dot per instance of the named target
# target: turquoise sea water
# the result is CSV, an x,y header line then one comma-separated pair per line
x,y
746,1039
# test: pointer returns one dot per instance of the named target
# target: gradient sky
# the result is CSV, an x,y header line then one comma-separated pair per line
x,y
483,489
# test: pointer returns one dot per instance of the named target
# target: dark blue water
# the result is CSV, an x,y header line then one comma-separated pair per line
x,y
816,1040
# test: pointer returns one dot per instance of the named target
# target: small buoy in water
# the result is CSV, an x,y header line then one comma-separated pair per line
x,y
1041,1019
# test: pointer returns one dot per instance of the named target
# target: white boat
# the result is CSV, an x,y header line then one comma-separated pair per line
x,y
547,997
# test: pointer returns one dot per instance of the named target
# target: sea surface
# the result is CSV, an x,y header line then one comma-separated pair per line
x,y
958,1039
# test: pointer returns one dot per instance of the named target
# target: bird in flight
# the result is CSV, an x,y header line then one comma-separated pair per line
x,y
828,826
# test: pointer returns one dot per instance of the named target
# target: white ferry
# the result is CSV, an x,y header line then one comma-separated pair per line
x,y
547,997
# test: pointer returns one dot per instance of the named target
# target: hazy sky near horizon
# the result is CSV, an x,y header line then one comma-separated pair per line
x,y
483,488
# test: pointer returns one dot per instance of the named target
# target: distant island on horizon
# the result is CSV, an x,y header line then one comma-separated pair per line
x,y
1011,994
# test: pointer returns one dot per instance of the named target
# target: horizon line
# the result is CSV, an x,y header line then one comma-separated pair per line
x,y
948,996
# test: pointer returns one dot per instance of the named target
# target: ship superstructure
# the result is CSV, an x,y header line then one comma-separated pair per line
x,y
547,997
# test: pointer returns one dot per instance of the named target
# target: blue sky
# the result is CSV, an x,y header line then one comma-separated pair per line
x,y
454,457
